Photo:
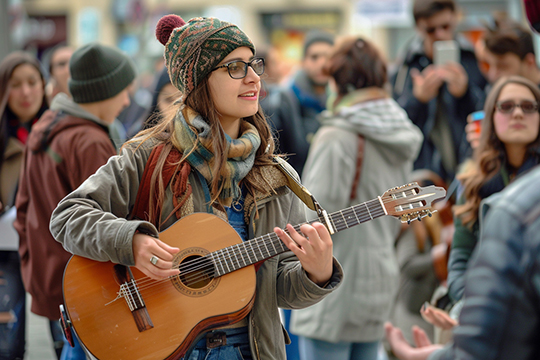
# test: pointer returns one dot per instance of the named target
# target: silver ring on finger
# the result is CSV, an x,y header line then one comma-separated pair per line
x,y
154,259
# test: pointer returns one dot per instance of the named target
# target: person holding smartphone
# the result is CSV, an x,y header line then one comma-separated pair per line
x,y
439,96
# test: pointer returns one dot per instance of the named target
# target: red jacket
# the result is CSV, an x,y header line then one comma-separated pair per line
x,y
62,152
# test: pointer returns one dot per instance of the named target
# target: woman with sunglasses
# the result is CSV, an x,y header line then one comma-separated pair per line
x,y
220,150
509,146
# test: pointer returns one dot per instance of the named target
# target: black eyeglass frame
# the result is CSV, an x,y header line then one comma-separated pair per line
x,y
431,29
515,104
246,65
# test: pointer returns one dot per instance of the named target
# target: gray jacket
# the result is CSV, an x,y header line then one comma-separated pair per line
x,y
357,311
500,317
91,222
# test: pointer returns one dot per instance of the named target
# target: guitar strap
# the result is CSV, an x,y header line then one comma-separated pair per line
x,y
303,194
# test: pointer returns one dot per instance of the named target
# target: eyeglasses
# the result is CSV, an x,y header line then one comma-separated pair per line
x,y
431,29
238,69
507,107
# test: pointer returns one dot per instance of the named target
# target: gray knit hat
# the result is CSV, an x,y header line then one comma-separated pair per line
x,y
99,72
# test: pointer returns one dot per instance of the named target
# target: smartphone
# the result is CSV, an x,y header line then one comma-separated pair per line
x,y
476,119
477,115
445,52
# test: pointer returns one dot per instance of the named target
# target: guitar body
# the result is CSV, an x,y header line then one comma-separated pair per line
x,y
176,311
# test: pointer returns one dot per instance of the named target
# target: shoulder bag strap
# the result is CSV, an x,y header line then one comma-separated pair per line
x,y
359,160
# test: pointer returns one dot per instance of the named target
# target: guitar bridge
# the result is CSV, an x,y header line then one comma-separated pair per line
x,y
130,292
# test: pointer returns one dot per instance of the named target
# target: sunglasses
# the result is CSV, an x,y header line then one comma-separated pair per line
x,y
527,106
431,29
238,69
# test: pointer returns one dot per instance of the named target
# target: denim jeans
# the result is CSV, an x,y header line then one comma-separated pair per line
x,y
13,305
312,349
236,348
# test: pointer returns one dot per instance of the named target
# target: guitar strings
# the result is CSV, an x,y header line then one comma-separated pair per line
x,y
153,287
202,264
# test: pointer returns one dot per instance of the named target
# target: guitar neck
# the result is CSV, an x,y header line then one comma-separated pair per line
x,y
264,247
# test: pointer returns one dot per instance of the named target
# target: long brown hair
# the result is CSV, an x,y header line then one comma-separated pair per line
x,y
201,102
490,153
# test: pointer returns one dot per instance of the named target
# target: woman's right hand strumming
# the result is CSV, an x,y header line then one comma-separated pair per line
x,y
153,257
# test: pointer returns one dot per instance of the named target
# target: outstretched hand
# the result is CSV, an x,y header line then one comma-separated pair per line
x,y
437,317
401,348
314,250
145,247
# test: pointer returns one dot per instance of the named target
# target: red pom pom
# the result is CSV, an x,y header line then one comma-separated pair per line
x,y
166,25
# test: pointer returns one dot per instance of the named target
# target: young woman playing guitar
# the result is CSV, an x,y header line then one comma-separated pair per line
x,y
218,150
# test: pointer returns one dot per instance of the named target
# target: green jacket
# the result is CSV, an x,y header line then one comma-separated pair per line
x,y
98,210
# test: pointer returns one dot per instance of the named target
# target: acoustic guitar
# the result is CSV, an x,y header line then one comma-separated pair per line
x,y
119,313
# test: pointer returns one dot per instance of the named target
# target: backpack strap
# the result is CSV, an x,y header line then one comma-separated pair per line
x,y
359,160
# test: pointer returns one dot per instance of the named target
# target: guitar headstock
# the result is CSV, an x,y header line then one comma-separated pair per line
x,y
411,202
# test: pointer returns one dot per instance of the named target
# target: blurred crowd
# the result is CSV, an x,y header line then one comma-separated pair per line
x,y
463,283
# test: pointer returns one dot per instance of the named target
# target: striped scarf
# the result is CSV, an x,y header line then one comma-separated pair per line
x,y
240,152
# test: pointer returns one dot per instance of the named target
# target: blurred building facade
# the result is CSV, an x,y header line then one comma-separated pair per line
x,y
37,25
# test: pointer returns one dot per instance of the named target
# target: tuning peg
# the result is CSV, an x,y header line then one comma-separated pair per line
x,y
419,217
429,213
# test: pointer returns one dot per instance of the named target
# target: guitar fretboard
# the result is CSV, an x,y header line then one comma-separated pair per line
x,y
264,247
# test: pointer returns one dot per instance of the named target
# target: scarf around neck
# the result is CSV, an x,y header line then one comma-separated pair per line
x,y
195,139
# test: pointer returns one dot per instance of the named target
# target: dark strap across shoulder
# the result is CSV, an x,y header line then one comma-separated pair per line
x,y
359,160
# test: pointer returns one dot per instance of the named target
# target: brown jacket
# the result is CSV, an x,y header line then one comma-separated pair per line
x,y
9,174
62,151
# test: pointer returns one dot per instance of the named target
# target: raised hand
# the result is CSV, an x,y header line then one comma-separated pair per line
x,y
426,84
314,250
456,78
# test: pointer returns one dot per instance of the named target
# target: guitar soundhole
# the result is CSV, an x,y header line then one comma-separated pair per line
x,y
196,277
196,272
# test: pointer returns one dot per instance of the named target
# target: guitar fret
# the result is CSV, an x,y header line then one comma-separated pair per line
x,y
230,259
266,247
242,253
368,211
345,220
235,256
226,263
355,215
252,258
218,262
260,251
273,245
281,244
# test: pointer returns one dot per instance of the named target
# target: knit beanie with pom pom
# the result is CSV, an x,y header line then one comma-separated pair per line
x,y
195,48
